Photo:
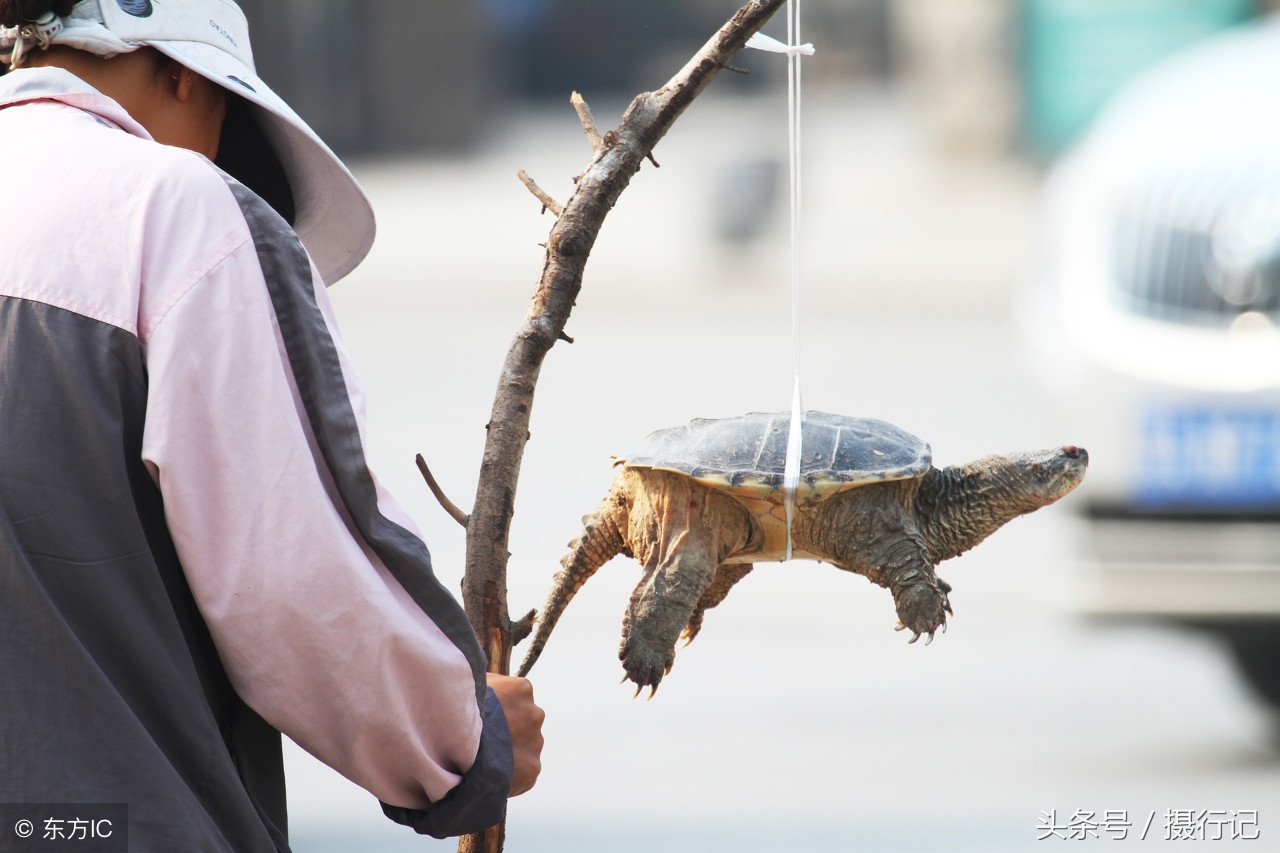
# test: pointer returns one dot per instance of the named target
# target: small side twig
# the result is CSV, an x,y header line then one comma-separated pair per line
x,y
589,126
548,203
523,626
449,506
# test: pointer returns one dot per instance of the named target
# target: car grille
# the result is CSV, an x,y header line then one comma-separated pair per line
x,y
1200,252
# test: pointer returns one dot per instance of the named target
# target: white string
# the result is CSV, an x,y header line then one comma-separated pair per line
x,y
795,436
794,50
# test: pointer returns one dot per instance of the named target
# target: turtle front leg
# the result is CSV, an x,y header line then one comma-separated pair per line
x,y
726,577
866,531
681,531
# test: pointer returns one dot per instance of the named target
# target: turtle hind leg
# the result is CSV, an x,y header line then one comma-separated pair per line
x,y
600,541
681,531
726,577
662,604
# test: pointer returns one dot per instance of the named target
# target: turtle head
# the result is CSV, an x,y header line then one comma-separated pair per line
x,y
1039,477
959,507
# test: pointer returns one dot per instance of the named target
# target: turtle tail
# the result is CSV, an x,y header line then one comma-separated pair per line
x,y
601,540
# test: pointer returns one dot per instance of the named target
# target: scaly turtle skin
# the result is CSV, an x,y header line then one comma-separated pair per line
x,y
700,504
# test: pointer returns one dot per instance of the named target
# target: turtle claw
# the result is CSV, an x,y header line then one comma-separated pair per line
x,y
945,589
899,626
644,670
923,608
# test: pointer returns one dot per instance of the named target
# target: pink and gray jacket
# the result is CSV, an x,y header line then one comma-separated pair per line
x,y
194,554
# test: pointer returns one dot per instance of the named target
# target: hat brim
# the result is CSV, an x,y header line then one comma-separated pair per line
x,y
333,217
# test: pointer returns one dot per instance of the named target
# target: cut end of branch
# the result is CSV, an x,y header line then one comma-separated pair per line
x,y
548,203
448,505
589,126
523,626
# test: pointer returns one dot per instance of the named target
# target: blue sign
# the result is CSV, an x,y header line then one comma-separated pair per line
x,y
1210,458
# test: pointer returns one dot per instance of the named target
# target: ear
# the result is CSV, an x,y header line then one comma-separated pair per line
x,y
182,79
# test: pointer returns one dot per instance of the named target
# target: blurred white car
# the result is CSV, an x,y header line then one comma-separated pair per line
x,y
1153,314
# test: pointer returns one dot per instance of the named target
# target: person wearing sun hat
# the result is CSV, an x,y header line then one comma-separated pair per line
x,y
194,554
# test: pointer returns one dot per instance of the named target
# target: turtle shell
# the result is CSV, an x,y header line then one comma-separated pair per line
x,y
747,455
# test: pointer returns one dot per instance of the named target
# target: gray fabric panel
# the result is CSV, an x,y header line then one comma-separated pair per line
x,y
110,688
318,372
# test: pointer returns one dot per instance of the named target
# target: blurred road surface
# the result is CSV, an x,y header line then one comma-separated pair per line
x,y
799,719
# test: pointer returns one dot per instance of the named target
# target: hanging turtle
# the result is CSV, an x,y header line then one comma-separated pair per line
x,y
700,504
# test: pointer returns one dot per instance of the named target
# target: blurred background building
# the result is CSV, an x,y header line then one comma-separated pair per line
x,y
397,76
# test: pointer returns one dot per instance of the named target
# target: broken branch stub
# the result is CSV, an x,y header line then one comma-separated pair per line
x,y
589,126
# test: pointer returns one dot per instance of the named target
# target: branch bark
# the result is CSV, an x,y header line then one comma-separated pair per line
x,y
616,158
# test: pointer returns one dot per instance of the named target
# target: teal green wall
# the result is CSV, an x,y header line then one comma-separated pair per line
x,y
1075,53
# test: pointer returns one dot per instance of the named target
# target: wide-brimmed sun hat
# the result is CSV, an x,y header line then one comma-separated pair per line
x,y
330,212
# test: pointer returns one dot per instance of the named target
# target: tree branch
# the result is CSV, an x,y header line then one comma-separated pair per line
x,y
616,157
588,121
449,506
548,203
610,170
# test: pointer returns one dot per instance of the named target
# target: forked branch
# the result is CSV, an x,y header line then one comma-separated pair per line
x,y
616,157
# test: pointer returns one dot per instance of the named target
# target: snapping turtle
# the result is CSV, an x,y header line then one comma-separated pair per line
x,y
700,504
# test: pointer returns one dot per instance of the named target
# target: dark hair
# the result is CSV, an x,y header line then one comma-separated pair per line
x,y
15,12
245,153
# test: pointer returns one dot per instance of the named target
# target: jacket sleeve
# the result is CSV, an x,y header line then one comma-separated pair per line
x,y
316,587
